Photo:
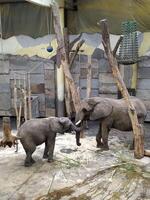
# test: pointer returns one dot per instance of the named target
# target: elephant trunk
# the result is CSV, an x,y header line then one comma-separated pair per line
x,y
77,130
78,138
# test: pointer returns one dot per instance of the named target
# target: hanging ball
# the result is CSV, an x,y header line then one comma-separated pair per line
x,y
49,48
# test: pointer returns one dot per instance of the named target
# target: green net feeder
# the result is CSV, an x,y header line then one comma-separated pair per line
x,y
128,51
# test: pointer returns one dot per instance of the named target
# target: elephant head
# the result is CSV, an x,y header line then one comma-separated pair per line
x,y
67,125
94,108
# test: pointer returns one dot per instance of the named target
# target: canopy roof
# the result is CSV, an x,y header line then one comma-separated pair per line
x,y
20,17
11,1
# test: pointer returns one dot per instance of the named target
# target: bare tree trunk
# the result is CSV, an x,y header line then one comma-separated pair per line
x,y
72,58
67,88
137,128
29,96
63,57
24,91
8,138
89,78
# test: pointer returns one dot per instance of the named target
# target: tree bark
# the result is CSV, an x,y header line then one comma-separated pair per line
x,y
67,88
137,128
8,139
63,57
73,56
89,78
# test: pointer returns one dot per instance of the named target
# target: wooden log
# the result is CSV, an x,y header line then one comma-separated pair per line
x,y
63,57
73,89
72,58
66,43
117,45
8,139
67,88
29,97
74,41
18,112
89,78
137,128
147,153
24,91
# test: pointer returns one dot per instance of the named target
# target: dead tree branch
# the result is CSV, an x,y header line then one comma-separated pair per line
x,y
73,56
137,128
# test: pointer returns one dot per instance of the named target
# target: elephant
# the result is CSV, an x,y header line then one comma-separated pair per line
x,y
111,113
34,132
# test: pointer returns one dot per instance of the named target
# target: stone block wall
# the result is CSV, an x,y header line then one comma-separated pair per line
x,y
42,82
143,82
102,81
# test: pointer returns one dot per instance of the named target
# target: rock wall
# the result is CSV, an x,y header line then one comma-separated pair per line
x,y
42,82
102,81
143,82
43,85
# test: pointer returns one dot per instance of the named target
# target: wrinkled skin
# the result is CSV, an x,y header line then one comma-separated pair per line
x,y
111,113
34,132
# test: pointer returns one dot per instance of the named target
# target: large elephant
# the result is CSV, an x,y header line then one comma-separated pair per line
x,y
34,132
112,113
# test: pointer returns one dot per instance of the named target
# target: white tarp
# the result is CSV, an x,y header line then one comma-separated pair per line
x,y
42,2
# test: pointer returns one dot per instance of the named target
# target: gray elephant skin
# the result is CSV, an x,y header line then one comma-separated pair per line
x,y
34,132
111,113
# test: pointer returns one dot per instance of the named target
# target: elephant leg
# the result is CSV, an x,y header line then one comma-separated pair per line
x,y
29,160
45,155
51,145
99,137
105,132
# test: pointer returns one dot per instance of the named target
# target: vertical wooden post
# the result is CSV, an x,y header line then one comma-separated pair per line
x,y
63,57
7,128
15,103
134,76
29,96
137,128
25,97
59,68
8,138
89,78
67,88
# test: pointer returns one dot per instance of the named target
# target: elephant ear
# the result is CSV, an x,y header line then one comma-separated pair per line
x,y
101,110
86,107
63,120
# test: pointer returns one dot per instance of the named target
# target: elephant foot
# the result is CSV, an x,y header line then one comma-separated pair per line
x,y
105,148
28,164
50,160
100,145
45,156
32,161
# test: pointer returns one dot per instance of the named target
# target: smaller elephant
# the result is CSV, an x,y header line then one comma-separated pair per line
x,y
111,113
34,132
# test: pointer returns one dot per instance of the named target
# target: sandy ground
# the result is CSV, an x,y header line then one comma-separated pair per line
x,y
74,167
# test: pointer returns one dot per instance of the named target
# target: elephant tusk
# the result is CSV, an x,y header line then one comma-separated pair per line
x,y
77,123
